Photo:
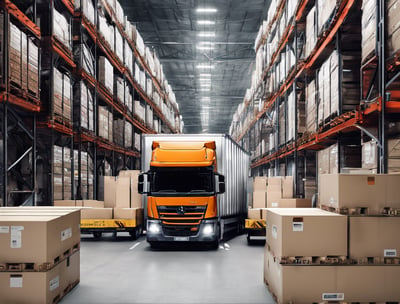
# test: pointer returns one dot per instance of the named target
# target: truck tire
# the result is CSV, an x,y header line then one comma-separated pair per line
x,y
97,234
136,232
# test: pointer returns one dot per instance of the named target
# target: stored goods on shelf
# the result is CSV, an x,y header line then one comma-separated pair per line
x,y
149,116
84,106
128,57
119,44
137,142
128,97
87,8
105,124
106,73
85,59
326,11
119,89
106,31
311,32
139,110
182,185
393,26
62,29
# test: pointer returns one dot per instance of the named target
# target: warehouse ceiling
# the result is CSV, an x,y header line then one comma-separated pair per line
x,y
209,63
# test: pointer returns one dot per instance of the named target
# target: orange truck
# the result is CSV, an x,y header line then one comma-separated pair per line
x,y
194,187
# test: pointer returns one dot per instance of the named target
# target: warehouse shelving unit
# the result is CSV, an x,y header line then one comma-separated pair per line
x,y
349,125
19,104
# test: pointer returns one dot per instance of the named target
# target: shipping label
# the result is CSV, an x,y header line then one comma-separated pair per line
x,y
66,234
333,296
390,253
275,205
16,236
54,283
298,224
4,229
16,281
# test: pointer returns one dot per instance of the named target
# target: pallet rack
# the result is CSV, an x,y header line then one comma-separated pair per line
x,y
33,118
18,109
375,104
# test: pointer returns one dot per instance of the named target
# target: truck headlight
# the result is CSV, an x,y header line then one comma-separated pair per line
x,y
208,229
154,228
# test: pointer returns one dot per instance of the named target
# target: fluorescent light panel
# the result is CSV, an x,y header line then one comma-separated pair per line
x,y
205,75
209,47
206,34
206,10
205,66
206,22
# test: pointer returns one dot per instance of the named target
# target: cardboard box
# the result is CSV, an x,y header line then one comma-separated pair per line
x,y
273,198
372,191
64,203
93,204
254,213
299,284
70,222
264,214
374,237
306,232
122,195
287,187
260,183
40,287
109,191
294,203
129,213
37,238
259,199
331,283
96,213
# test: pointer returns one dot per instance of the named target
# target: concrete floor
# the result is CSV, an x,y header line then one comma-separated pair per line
x,y
125,271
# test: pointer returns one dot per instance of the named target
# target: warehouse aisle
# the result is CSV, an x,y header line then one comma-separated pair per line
x,y
126,271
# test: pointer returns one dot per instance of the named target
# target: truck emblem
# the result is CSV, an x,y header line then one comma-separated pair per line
x,y
180,210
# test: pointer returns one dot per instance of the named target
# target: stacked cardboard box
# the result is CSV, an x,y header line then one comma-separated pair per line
x,y
40,253
311,107
62,90
85,59
366,193
87,8
311,32
326,10
137,143
279,187
328,159
128,98
23,60
106,74
62,29
149,116
62,174
119,44
105,124
106,31
86,174
139,110
128,57
119,89
84,106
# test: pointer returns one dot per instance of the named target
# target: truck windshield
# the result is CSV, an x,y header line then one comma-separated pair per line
x,y
196,180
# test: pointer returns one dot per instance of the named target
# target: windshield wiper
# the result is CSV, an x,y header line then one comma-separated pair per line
x,y
167,190
198,191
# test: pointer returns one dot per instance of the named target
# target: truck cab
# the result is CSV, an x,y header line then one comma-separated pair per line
x,y
182,187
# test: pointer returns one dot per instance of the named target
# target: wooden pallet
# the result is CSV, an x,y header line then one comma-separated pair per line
x,y
361,211
376,261
315,260
62,294
35,267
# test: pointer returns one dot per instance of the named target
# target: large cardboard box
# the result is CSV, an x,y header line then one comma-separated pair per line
x,y
109,191
122,195
315,284
64,203
93,204
129,214
259,199
294,203
273,198
372,191
300,284
37,238
306,232
40,287
254,213
374,236
97,213
260,183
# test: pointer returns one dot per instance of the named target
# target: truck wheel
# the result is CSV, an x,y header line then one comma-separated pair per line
x,y
97,234
136,232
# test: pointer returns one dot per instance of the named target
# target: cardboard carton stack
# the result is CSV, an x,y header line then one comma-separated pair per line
x,y
62,174
84,106
105,123
370,155
336,268
40,257
106,74
62,29
274,192
62,90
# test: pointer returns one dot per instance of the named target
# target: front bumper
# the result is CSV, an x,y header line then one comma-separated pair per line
x,y
208,232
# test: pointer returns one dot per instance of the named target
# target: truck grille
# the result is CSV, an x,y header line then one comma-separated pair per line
x,y
181,220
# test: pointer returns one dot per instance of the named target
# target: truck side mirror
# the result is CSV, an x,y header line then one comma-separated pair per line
x,y
221,184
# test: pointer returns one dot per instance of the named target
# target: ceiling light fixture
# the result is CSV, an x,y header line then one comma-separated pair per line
x,y
206,42
206,10
205,66
205,75
205,84
206,34
206,22
205,47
